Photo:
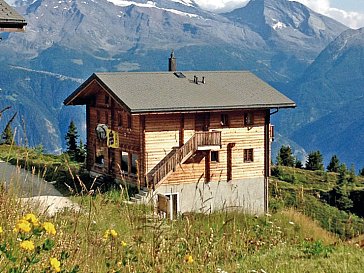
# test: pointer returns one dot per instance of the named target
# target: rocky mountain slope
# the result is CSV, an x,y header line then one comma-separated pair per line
x,y
331,93
66,41
291,30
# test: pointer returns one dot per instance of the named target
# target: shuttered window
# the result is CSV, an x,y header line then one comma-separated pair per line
x,y
248,155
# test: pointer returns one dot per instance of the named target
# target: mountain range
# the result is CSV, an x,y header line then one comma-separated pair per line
x,y
283,42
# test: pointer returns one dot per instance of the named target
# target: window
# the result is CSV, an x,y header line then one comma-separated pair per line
x,y
99,156
107,99
124,162
120,119
224,120
134,164
248,155
129,122
248,119
214,156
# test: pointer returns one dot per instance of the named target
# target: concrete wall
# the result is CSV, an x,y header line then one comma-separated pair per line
x,y
246,195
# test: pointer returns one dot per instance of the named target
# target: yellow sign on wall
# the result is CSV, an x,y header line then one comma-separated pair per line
x,y
112,139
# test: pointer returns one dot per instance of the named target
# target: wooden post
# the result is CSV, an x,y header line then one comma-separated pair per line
x,y
229,174
267,159
142,154
208,167
182,131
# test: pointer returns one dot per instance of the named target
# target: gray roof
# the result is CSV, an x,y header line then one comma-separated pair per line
x,y
143,92
9,18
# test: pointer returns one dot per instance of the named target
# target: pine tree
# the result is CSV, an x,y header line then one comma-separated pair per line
x,y
298,164
352,177
334,164
81,152
340,192
71,140
314,161
7,136
285,157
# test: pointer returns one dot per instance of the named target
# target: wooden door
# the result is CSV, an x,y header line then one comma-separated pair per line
x,y
202,122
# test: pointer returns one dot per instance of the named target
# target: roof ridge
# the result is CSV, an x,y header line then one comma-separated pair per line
x,y
171,72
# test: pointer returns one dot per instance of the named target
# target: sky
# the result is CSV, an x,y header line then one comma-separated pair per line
x,y
348,12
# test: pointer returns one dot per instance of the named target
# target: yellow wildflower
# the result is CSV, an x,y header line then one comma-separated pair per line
x,y
110,232
30,217
1,230
49,228
113,233
27,245
55,264
189,259
123,244
23,226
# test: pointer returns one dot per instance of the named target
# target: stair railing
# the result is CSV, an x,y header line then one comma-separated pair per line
x,y
171,161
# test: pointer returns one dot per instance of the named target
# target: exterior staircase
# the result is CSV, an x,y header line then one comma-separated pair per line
x,y
199,141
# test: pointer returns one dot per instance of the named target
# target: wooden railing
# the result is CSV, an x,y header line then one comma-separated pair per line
x,y
172,160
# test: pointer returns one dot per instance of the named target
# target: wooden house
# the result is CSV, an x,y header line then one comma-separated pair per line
x,y
10,20
200,138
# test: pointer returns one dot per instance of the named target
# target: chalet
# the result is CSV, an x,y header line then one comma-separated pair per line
x,y
201,138
10,20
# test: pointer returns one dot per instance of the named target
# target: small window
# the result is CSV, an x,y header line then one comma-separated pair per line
x,y
214,156
107,98
134,164
99,160
99,157
129,122
224,120
120,119
248,119
98,116
124,162
248,155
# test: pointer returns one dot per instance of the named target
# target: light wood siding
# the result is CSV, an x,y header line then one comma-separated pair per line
x,y
243,137
189,126
161,136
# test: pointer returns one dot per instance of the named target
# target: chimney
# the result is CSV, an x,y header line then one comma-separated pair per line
x,y
172,64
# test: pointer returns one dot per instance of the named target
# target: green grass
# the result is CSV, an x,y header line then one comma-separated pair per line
x,y
286,241
304,194
302,234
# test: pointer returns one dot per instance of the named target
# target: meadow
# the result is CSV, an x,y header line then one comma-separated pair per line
x,y
110,235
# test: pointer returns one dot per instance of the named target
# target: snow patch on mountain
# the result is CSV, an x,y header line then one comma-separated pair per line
x,y
151,4
122,3
278,25
184,2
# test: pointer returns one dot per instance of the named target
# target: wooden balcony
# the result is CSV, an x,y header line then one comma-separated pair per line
x,y
208,140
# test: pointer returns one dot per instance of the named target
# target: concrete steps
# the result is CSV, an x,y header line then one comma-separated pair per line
x,y
142,197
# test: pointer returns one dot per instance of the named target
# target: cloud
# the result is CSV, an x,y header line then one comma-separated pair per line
x,y
349,18
221,5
